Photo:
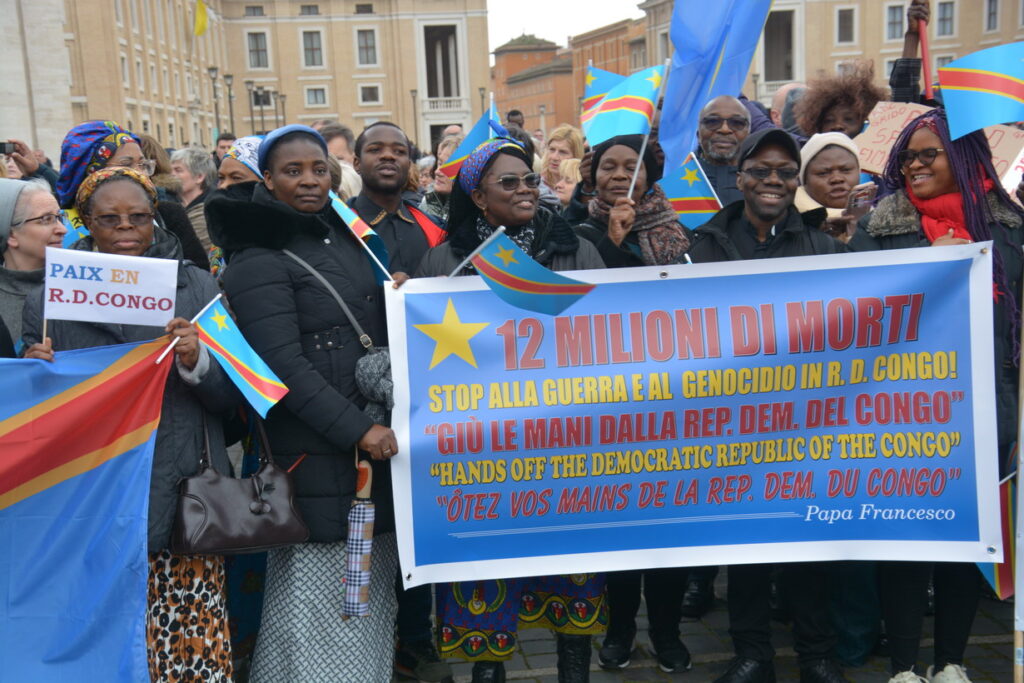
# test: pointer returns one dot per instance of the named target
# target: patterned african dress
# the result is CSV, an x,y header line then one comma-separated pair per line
x,y
479,620
187,620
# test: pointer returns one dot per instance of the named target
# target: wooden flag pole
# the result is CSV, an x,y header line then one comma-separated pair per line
x,y
647,135
926,62
198,315
483,245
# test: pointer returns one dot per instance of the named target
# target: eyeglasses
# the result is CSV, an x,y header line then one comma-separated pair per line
x,y
47,220
762,173
926,156
146,167
736,123
109,221
511,182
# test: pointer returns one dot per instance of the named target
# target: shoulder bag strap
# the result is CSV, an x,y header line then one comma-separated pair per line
x,y
364,338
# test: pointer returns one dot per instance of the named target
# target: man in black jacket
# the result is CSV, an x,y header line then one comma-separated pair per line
x,y
765,224
724,125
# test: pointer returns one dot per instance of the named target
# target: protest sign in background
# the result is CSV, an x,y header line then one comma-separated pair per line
x,y
94,287
815,408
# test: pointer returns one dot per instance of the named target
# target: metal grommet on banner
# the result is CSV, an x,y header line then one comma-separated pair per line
x,y
990,550
984,250
663,274
408,577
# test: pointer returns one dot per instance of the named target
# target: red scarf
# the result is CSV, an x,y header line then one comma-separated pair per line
x,y
941,214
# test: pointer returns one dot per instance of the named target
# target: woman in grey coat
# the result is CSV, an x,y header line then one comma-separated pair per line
x,y
187,635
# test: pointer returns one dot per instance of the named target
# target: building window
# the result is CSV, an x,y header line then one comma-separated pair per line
x,y
312,49
160,19
124,70
364,8
258,51
147,16
118,13
894,22
177,84
638,56
316,97
943,60
145,126
846,26
170,133
945,26
254,10
140,79
153,83
890,64
134,9
167,82
991,15
261,99
309,10
366,39
369,94
664,46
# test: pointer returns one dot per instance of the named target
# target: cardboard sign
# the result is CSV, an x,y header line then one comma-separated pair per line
x,y
93,287
888,119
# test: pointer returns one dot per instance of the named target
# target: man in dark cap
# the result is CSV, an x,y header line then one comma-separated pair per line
x,y
765,224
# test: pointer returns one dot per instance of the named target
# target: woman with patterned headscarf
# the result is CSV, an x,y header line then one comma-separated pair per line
x,y
93,145
186,627
241,162
497,186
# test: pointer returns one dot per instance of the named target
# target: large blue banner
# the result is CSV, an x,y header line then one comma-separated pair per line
x,y
794,409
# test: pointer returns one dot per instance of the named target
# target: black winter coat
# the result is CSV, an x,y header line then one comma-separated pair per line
x,y
297,327
794,237
179,437
896,224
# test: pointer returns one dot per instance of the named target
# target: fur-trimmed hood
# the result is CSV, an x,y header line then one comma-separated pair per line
x,y
247,215
895,215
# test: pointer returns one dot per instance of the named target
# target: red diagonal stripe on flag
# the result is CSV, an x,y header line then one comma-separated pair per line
x,y
982,81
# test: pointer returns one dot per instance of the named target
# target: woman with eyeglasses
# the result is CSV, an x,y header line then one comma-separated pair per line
x,y
186,624
641,229
30,221
93,145
497,186
947,192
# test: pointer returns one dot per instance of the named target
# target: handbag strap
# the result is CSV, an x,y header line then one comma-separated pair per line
x,y
265,456
364,338
204,456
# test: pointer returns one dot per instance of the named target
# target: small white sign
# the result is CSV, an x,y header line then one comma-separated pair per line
x,y
93,287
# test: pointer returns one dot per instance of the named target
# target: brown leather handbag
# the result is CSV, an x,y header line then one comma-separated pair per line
x,y
221,515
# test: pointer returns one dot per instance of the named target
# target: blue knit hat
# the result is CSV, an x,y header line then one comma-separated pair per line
x,y
274,136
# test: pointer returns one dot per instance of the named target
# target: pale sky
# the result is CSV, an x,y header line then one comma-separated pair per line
x,y
553,20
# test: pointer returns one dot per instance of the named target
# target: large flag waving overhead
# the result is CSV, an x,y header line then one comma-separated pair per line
x,y
714,43
482,131
76,447
691,194
524,283
598,83
254,378
984,88
627,109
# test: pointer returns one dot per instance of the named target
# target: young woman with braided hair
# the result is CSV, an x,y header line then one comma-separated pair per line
x,y
947,192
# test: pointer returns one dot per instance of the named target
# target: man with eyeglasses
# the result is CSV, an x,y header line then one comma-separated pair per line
x,y
724,125
765,224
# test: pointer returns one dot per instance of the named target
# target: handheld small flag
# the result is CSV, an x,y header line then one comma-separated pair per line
x,y
76,228
714,43
984,88
482,131
524,283
627,109
257,382
1000,576
597,85
691,194
202,21
374,244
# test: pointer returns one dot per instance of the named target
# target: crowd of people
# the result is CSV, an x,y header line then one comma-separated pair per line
x,y
252,219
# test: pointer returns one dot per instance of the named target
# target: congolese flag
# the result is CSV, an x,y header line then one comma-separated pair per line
x,y
627,109
984,88
691,194
76,447
597,85
482,131
257,382
1000,576
362,230
524,283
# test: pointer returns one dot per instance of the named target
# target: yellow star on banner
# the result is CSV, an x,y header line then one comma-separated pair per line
x,y
655,80
691,176
591,78
507,256
220,319
451,336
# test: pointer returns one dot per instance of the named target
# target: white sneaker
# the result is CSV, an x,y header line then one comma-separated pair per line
x,y
907,677
952,673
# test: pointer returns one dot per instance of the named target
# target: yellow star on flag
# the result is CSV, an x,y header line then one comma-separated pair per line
x,y
691,176
220,319
591,78
451,336
507,256
655,80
